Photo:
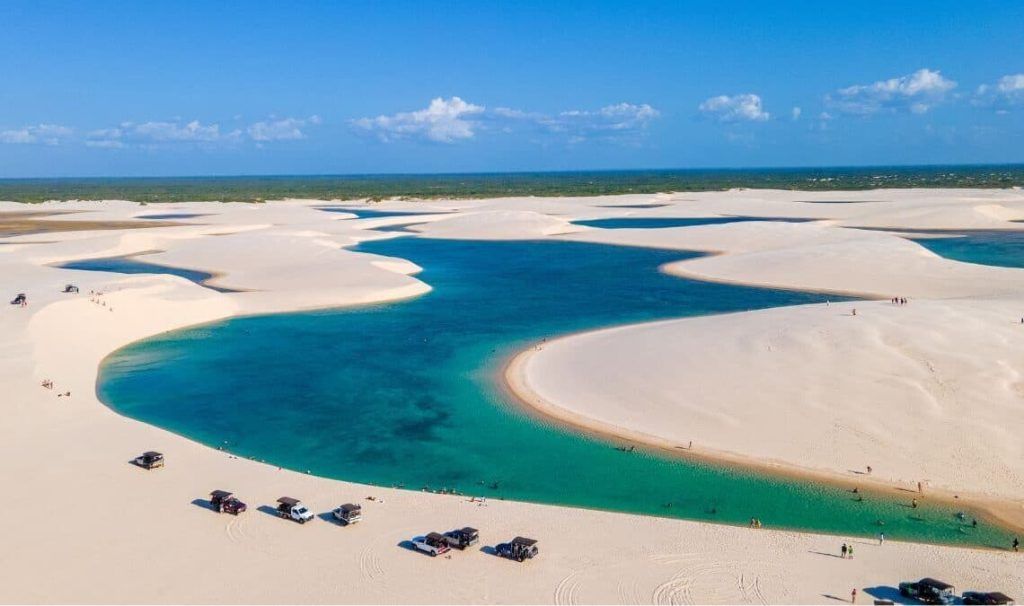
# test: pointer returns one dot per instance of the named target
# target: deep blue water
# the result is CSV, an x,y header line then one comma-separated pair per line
x,y
132,265
662,222
407,393
369,213
171,216
999,248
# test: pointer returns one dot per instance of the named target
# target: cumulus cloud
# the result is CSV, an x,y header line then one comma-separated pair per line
x,y
195,132
452,120
284,129
45,134
735,108
610,118
796,112
1007,91
917,92
443,121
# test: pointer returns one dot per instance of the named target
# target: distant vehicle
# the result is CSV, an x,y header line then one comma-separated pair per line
x,y
149,460
519,549
293,509
987,597
223,501
463,537
20,299
928,591
348,513
434,544
70,288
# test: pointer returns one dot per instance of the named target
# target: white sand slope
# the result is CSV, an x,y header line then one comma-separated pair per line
x,y
825,391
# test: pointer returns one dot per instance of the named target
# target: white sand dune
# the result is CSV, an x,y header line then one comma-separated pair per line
x,y
930,390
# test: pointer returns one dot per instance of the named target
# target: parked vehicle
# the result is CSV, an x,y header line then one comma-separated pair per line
x,y
519,549
929,591
348,513
70,288
223,501
149,460
987,597
293,509
20,299
462,537
434,544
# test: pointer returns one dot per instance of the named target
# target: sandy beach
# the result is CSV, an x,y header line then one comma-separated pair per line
x,y
924,392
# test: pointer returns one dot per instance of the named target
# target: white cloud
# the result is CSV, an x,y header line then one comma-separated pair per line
x,y
795,113
619,117
917,92
284,129
443,121
173,131
452,120
735,108
46,134
1007,91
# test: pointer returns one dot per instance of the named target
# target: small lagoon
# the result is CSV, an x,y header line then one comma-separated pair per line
x,y
409,393
663,222
985,247
132,265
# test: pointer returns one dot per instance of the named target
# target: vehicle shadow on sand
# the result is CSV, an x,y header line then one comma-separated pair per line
x,y
885,592
267,509
328,516
203,503
409,546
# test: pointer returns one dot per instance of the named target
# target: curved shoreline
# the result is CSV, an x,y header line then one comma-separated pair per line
x,y
1008,513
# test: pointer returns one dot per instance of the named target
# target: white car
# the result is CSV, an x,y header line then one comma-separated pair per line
x,y
434,544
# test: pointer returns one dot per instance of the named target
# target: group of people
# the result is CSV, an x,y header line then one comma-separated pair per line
x,y
846,551
48,384
755,523
898,300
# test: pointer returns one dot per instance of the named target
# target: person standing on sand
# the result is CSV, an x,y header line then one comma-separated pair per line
x,y
853,596
1016,544
849,551
881,538
843,550
854,311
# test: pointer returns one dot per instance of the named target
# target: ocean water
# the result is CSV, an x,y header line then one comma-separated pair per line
x,y
493,185
984,247
408,393
132,265
662,222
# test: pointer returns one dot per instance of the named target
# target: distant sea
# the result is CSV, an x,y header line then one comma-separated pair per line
x,y
487,185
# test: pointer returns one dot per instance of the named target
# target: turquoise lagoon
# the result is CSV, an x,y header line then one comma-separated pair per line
x,y
664,222
984,247
409,393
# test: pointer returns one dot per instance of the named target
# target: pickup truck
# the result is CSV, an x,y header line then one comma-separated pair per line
x,y
293,509
223,501
463,537
433,544
348,514
928,591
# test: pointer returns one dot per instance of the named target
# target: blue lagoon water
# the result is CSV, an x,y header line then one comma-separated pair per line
x,y
132,265
409,393
662,222
984,247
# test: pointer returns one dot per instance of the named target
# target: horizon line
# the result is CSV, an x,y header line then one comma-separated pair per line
x,y
535,172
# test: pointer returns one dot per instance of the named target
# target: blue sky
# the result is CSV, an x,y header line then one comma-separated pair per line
x,y
185,88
